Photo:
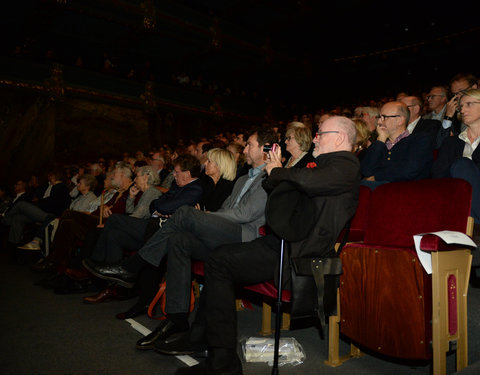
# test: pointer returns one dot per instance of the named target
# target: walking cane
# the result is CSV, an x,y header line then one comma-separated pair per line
x,y
278,306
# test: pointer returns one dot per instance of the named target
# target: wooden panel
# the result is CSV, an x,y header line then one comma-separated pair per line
x,y
385,300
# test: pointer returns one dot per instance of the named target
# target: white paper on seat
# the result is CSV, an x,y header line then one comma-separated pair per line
x,y
450,237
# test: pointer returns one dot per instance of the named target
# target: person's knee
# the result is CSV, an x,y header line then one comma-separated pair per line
x,y
219,260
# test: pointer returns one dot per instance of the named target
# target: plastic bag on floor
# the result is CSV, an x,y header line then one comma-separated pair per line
x,y
259,349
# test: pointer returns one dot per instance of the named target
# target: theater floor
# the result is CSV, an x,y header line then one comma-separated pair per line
x,y
45,333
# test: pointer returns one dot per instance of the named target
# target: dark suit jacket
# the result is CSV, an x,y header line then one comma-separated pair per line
x,y
431,127
333,188
58,201
176,197
451,150
456,129
409,159
163,173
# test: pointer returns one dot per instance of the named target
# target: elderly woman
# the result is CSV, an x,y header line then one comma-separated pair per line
x,y
222,170
298,140
459,156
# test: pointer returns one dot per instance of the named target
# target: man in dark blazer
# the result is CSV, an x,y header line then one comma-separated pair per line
x,y
396,155
417,123
332,184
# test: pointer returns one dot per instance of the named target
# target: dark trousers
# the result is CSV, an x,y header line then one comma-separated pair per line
x,y
244,264
72,228
121,233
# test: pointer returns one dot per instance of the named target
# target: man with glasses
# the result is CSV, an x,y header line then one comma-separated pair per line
x,y
396,155
437,103
451,124
417,123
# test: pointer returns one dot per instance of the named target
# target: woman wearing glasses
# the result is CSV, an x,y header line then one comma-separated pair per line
x,y
459,156
298,140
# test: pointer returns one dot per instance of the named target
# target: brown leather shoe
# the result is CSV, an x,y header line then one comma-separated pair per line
x,y
104,295
78,274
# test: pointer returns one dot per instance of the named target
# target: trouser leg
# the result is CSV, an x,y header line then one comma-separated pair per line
x,y
244,263
120,233
211,230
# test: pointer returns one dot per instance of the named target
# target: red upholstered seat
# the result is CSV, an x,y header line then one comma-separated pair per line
x,y
385,294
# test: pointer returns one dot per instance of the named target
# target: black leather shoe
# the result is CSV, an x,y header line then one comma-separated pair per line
x,y
180,344
114,273
164,330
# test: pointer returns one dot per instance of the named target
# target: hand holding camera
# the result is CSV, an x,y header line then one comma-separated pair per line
x,y
274,157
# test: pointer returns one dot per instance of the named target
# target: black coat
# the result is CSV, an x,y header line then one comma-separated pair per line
x,y
332,188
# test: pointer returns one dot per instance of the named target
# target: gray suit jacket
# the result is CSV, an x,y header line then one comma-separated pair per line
x,y
250,211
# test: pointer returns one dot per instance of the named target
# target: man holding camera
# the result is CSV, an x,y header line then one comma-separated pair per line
x,y
193,234
331,187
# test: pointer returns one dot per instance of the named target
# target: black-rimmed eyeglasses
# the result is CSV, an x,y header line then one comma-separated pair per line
x,y
383,117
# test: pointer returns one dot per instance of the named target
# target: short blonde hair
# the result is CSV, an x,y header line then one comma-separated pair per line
x,y
302,135
225,162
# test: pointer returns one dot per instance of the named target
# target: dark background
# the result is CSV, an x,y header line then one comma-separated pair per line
x,y
306,53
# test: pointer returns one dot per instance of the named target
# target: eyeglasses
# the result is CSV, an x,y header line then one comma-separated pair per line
x,y
319,134
430,97
467,104
383,117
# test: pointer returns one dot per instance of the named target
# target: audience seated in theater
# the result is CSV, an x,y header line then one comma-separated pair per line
x,y
333,184
86,185
74,226
128,233
459,156
193,234
298,140
396,155
221,169
54,201
417,123
451,123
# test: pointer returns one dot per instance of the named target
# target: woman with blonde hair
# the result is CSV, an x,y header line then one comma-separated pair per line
x,y
363,137
298,140
222,170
